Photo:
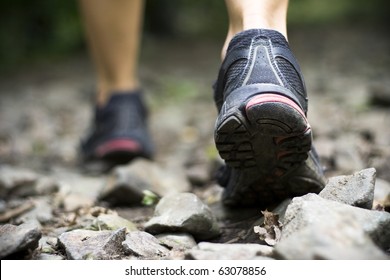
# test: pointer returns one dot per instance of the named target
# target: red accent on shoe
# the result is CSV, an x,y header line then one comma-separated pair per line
x,y
118,145
281,154
271,97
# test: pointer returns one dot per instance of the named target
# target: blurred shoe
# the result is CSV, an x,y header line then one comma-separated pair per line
x,y
119,132
262,131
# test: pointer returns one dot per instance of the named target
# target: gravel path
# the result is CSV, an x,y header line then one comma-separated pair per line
x,y
45,110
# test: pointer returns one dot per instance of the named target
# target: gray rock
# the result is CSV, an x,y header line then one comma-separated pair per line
x,y
126,184
123,188
73,201
112,222
144,245
15,239
198,175
356,190
13,179
19,182
87,244
82,185
217,251
335,241
178,241
321,217
46,186
183,212
42,212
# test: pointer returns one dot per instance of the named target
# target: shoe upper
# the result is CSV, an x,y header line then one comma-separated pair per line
x,y
123,117
261,56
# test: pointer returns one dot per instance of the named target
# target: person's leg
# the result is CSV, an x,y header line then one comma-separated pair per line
x,y
249,14
119,129
113,29
262,131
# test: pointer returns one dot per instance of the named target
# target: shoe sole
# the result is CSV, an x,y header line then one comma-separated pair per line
x,y
264,139
119,151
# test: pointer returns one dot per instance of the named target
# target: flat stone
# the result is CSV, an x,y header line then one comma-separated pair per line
x,y
16,239
126,184
112,222
178,241
235,251
97,245
183,212
356,190
334,224
144,245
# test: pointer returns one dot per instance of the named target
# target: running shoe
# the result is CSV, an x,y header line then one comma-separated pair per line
x,y
262,131
119,131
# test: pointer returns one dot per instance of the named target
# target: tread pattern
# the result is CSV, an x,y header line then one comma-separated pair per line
x,y
266,147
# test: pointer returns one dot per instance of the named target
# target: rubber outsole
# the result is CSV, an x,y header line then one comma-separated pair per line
x,y
265,141
111,154
118,145
118,151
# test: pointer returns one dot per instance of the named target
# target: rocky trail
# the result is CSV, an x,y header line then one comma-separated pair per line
x,y
169,208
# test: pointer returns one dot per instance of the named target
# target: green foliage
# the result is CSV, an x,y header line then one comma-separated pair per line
x,y
149,198
42,29
32,29
186,17
315,12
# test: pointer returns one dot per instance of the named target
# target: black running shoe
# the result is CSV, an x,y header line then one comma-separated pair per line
x,y
262,131
119,132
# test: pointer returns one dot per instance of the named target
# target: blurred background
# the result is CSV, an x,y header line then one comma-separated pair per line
x,y
32,31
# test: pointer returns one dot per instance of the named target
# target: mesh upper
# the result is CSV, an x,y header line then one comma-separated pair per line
x,y
263,71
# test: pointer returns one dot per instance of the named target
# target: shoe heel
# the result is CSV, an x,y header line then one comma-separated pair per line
x,y
279,119
276,115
